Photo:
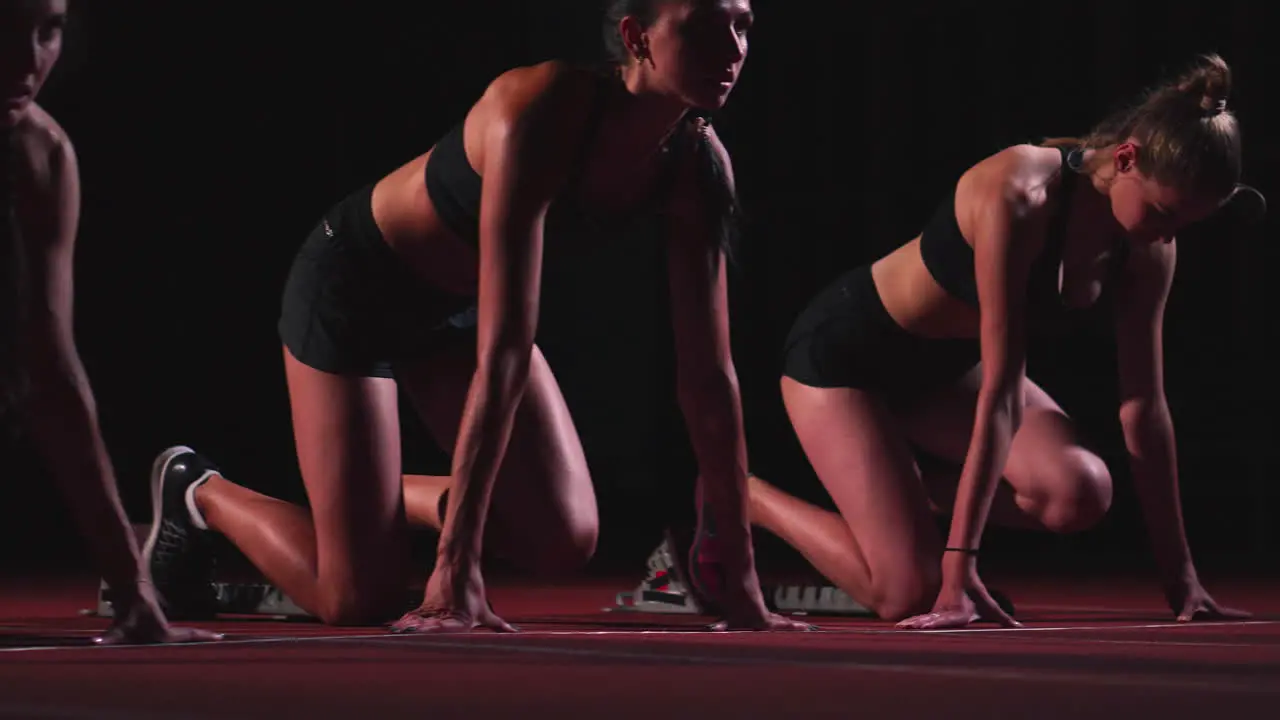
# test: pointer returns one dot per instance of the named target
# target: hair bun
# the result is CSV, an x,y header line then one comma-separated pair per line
x,y
1208,84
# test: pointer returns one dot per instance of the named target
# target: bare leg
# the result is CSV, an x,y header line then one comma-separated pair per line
x,y
820,535
1051,482
347,562
276,536
543,513
422,496
888,553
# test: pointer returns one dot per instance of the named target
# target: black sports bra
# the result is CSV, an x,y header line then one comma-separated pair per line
x,y
455,187
949,258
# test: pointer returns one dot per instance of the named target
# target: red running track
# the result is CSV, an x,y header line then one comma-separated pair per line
x,y
1104,650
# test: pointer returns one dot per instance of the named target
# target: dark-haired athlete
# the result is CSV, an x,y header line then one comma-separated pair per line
x,y
43,386
550,160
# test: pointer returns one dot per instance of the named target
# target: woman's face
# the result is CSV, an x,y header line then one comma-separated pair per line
x,y
695,49
30,44
1147,209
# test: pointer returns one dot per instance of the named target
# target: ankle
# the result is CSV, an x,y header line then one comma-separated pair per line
x,y
197,499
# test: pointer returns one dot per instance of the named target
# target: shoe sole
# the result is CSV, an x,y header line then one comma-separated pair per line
x,y
158,470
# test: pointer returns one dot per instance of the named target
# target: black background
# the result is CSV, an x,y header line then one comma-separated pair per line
x,y
212,135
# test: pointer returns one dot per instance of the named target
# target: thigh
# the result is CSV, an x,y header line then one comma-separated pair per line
x,y
860,455
544,505
1045,448
347,433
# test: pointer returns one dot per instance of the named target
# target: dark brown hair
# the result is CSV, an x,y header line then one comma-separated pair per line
x,y
1187,137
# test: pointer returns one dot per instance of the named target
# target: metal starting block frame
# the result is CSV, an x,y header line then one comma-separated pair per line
x,y
266,600
814,600
790,599
245,598
675,598
662,592
232,599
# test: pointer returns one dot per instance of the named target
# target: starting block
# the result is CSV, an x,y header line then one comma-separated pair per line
x,y
232,599
814,600
246,598
664,591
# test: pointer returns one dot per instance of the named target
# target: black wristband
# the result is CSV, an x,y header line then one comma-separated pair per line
x,y
442,505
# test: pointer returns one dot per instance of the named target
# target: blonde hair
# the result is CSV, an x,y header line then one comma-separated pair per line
x,y
1186,136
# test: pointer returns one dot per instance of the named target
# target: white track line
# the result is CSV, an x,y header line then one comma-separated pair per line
x,y
473,642
1085,628
893,631
215,644
692,633
1100,610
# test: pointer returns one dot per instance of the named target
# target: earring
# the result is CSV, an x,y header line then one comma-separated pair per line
x,y
1075,159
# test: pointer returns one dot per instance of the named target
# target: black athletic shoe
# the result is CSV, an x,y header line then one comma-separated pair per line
x,y
178,551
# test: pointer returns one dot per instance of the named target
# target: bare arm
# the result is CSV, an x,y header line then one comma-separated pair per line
x,y
524,165
1144,411
1003,248
61,412
707,382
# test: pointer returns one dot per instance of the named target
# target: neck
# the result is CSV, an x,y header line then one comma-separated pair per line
x,y
644,117
1101,175
1094,208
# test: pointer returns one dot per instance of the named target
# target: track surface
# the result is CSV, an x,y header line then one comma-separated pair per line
x,y
1105,650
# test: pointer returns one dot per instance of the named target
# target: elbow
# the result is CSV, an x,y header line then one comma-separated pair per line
x,y
506,345
1001,400
1139,410
504,368
53,372
1140,417
708,398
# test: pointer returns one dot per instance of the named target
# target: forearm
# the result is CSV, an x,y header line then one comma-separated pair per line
x,y
1149,439
497,388
62,417
996,421
712,407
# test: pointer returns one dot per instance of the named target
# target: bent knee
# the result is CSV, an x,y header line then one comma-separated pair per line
x,y
562,547
904,592
1081,494
568,551
355,606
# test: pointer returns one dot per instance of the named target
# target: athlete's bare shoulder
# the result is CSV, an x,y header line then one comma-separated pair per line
x,y
47,179
43,149
546,105
548,89
1021,177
